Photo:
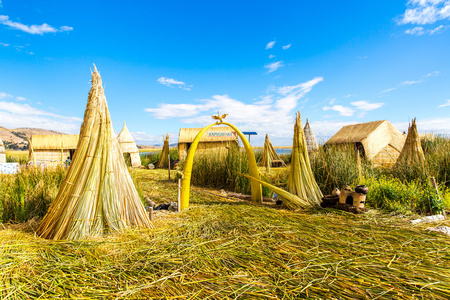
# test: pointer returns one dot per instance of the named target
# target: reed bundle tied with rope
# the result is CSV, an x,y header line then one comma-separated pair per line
x,y
98,195
163,161
301,181
412,152
269,154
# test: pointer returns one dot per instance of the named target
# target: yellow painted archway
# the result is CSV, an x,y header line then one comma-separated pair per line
x,y
186,180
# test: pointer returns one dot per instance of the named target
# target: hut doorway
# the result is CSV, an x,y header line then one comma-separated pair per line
x,y
186,178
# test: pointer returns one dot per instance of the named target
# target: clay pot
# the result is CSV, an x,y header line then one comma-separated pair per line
x,y
362,189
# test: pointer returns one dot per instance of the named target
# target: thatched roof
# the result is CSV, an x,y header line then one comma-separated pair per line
x,y
374,136
54,142
412,152
213,134
97,195
311,142
126,141
2,147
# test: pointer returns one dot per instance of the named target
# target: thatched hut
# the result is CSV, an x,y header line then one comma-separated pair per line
x,y
379,141
214,138
128,146
311,142
52,149
412,152
2,153
97,195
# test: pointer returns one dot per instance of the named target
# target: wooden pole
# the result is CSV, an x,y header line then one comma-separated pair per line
x,y
168,155
179,195
150,214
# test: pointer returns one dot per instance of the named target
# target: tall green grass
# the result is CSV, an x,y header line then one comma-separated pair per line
x,y
217,169
28,194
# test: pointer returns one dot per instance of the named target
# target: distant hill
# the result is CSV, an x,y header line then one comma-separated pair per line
x,y
17,138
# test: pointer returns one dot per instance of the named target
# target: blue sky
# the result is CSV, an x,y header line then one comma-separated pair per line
x,y
167,65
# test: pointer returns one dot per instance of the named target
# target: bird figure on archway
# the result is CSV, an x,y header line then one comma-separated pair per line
x,y
219,117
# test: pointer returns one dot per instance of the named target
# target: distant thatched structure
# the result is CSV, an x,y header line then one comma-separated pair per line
x,y
269,154
2,153
98,195
412,152
52,149
301,181
213,139
163,161
379,141
128,146
311,142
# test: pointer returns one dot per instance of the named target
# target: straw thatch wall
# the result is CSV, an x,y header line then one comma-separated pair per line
x,y
311,142
2,153
52,149
213,139
127,145
379,141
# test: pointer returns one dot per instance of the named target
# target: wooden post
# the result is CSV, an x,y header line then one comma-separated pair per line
x,y
168,155
150,214
179,195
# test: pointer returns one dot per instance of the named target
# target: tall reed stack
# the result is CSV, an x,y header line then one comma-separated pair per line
x,y
311,142
163,161
269,154
412,153
98,195
301,181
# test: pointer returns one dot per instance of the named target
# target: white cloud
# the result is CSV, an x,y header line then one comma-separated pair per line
x,y
437,126
5,95
287,46
15,115
4,45
18,98
420,31
170,82
415,31
274,66
366,106
425,12
32,29
411,82
271,56
447,103
143,137
274,114
270,44
343,111
388,90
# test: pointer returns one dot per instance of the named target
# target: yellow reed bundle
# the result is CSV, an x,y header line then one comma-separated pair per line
x,y
98,195
269,153
412,152
301,181
163,161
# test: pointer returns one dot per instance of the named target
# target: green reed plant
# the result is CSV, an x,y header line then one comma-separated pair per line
x,y
217,169
28,194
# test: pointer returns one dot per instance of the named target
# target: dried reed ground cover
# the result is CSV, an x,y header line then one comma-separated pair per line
x,y
222,248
